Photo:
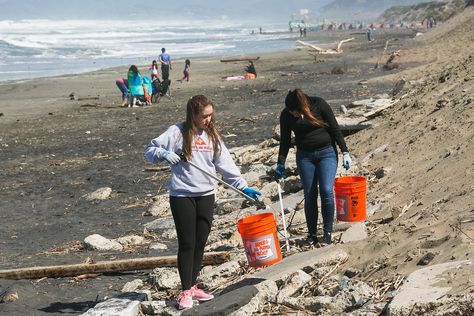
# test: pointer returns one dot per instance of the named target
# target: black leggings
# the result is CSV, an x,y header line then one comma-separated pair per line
x,y
193,221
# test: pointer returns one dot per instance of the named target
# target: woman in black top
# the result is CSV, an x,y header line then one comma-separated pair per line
x,y
316,134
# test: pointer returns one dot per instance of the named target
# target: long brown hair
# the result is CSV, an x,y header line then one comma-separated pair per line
x,y
194,108
297,100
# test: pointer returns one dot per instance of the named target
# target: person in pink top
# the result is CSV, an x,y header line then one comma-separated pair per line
x,y
154,70
187,69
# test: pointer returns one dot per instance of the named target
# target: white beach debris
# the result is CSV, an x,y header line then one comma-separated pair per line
x,y
133,286
131,240
357,231
99,194
124,304
158,246
100,243
164,278
160,206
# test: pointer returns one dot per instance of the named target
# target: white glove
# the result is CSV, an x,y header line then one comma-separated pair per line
x,y
346,160
171,157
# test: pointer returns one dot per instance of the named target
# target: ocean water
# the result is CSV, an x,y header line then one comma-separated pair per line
x,y
42,48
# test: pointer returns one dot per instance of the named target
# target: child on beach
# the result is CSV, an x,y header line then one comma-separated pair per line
x,y
191,191
154,70
187,69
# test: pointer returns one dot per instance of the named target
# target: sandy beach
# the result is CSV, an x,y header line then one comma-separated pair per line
x,y
55,150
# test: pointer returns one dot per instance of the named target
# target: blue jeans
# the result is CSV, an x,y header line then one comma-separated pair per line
x,y
123,88
318,168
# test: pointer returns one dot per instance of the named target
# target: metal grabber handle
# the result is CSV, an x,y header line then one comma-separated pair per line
x,y
283,214
255,202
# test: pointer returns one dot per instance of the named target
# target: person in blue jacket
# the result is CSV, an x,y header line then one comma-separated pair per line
x,y
165,60
316,135
135,85
192,191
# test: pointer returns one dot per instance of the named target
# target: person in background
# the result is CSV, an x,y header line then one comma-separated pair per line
x,y
250,70
191,191
135,86
165,61
369,34
122,84
316,135
154,70
187,69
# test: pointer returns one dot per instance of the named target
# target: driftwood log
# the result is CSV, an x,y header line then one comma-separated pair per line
x,y
320,50
232,59
389,65
381,56
210,258
378,111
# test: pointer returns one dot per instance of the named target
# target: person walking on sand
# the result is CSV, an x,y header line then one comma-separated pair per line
x,y
369,34
165,61
191,191
316,134
187,69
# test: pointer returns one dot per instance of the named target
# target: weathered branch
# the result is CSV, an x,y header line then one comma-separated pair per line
x,y
105,266
320,50
381,56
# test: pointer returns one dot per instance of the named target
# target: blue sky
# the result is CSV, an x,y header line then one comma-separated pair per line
x,y
243,10
177,9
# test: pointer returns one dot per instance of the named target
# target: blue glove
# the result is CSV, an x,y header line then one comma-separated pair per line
x,y
279,172
346,160
171,157
254,194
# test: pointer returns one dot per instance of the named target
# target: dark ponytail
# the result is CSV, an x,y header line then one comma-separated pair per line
x,y
296,100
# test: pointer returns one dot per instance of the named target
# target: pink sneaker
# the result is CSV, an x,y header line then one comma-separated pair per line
x,y
185,299
200,295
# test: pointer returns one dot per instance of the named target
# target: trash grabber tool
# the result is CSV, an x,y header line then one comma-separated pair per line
x,y
255,202
283,215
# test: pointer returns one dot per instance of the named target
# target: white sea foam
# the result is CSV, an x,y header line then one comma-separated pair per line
x,y
30,47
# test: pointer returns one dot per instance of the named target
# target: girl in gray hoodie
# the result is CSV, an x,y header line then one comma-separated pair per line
x,y
191,191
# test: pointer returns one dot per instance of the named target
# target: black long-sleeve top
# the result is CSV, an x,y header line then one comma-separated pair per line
x,y
251,69
307,136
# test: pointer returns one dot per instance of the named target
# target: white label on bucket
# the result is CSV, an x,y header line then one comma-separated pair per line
x,y
260,250
341,205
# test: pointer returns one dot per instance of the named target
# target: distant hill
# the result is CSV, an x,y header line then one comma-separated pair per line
x,y
360,9
439,10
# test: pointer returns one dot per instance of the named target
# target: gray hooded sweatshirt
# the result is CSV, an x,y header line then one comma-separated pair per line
x,y
187,180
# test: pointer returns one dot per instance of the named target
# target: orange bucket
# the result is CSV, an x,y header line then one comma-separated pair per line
x,y
260,239
350,198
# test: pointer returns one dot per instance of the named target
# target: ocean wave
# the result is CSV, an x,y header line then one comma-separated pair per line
x,y
73,45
